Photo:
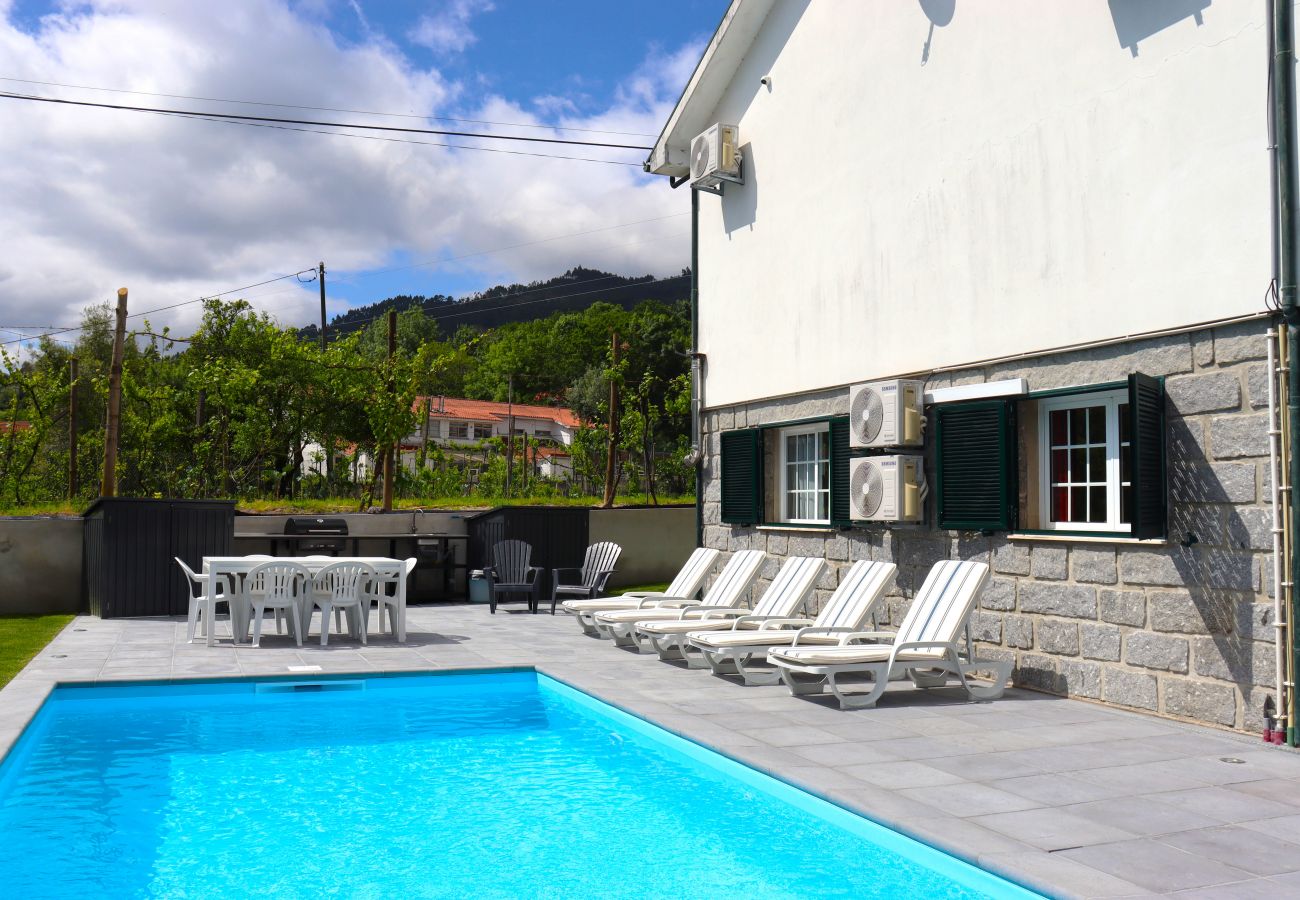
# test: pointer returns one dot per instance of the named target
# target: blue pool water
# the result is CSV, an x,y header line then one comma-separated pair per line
x,y
488,785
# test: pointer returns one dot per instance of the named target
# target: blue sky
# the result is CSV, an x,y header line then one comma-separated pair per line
x,y
214,207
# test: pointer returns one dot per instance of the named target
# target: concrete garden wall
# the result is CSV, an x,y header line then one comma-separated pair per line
x,y
40,566
655,541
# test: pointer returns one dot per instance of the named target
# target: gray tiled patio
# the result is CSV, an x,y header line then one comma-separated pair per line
x,y
1071,798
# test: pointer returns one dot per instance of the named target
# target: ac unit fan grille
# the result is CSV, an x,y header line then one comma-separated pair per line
x,y
867,416
700,155
868,489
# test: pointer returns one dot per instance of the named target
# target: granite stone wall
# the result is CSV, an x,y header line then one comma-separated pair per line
x,y
1181,628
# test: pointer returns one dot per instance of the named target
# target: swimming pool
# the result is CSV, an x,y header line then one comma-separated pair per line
x,y
502,784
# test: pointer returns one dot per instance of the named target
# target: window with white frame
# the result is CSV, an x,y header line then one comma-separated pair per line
x,y
1085,463
805,474
459,430
482,431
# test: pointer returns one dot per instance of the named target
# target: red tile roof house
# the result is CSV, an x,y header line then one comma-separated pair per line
x,y
457,422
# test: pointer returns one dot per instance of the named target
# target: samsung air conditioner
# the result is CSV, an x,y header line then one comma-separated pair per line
x,y
886,414
715,158
886,488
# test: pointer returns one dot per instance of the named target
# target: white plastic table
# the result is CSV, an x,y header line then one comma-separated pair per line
x,y
391,571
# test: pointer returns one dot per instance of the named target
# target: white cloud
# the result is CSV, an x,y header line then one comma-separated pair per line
x,y
448,30
176,208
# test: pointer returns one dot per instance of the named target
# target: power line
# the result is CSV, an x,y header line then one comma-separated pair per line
x,y
284,121
363,112
311,271
393,140
148,312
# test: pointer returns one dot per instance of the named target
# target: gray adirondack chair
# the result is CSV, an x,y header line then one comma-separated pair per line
x,y
510,573
597,565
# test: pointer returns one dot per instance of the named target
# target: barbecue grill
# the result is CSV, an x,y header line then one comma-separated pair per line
x,y
318,535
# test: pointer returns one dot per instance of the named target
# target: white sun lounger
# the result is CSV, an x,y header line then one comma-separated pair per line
x,y
847,610
684,587
924,647
726,592
784,597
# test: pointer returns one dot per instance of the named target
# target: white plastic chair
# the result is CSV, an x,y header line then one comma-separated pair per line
x,y
341,586
198,593
278,586
338,613
384,600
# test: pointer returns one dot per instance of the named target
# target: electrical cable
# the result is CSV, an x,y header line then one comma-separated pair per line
x,y
393,140
284,121
361,112
148,312
312,273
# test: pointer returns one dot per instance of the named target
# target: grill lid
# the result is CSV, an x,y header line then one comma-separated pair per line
x,y
316,526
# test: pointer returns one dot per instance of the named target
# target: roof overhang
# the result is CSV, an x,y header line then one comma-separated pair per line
x,y
713,74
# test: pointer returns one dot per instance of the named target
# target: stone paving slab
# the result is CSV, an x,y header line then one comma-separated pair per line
x,y
1069,797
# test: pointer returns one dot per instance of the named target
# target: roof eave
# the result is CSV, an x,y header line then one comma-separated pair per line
x,y
713,73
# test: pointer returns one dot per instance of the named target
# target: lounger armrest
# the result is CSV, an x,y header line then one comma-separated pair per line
x,y
667,602
770,623
853,636
699,612
490,573
842,629
948,646
556,573
533,572
747,618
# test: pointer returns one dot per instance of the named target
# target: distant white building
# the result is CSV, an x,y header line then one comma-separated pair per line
x,y
453,421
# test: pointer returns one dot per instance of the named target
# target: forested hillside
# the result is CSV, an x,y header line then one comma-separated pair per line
x,y
575,290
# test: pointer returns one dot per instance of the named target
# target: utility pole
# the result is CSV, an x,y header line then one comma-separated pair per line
x,y
392,389
108,488
72,428
510,434
324,340
610,485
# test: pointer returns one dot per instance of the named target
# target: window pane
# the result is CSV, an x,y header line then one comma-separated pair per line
x,y
1097,504
1078,504
1125,464
1097,464
823,505
1124,423
1078,428
1078,465
1058,427
1096,424
1060,465
1060,504
1126,505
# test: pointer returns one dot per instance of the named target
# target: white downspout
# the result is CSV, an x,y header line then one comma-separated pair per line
x,y
1277,477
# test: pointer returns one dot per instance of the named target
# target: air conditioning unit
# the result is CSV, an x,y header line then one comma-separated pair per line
x,y
886,488
715,159
886,414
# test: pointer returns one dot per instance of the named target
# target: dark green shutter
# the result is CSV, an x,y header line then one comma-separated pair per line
x,y
742,476
1146,409
976,465
839,428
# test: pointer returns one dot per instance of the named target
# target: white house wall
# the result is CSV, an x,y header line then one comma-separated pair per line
x,y
1017,179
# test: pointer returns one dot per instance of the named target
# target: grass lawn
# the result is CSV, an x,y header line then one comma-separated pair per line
x,y
640,587
22,637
